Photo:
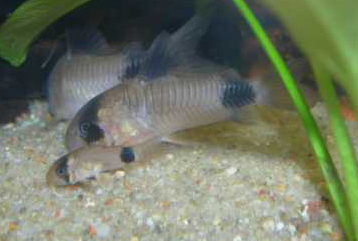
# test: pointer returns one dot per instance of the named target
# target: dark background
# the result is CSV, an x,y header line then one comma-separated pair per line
x,y
228,40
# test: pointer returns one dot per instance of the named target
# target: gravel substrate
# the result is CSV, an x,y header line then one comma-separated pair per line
x,y
244,181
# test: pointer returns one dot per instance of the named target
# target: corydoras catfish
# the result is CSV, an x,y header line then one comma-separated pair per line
x,y
141,108
124,124
91,66
88,162
153,104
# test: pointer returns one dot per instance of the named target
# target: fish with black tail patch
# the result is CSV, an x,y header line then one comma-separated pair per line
x,y
134,114
136,111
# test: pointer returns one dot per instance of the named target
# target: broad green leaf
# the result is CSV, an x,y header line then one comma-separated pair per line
x,y
327,31
27,22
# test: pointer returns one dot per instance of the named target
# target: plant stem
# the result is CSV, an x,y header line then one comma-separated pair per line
x,y
328,169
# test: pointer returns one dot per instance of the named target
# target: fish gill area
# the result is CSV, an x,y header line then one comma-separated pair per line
x,y
235,180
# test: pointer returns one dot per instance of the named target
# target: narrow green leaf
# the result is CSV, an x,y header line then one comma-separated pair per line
x,y
27,21
324,159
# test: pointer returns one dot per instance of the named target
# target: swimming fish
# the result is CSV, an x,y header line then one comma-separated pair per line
x,y
86,163
91,66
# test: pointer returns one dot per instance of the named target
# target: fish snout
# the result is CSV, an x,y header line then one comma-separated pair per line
x,y
58,174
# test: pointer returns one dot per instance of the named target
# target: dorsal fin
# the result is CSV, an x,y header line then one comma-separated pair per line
x,y
157,60
87,40
171,51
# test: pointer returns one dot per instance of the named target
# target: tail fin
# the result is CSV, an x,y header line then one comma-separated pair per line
x,y
271,91
170,51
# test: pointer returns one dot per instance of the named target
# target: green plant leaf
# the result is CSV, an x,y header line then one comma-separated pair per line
x,y
327,31
27,22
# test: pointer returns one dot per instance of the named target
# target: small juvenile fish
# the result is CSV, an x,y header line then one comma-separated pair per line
x,y
92,66
86,163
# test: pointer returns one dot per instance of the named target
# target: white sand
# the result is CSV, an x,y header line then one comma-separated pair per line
x,y
245,182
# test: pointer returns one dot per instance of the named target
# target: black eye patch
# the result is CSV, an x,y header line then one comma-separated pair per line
x,y
127,155
62,169
90,132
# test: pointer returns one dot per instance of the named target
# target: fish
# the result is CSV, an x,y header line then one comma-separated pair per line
x,y
152,106
140,109
87,163
127,117
91,65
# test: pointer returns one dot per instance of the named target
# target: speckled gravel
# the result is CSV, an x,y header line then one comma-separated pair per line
x,y
244,181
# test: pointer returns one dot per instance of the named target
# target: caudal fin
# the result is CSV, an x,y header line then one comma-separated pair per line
x,y
271,91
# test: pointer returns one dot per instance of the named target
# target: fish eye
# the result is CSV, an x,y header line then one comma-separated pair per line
x,y
90,132
84,127
62,169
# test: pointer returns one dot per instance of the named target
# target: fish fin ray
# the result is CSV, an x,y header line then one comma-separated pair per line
x,y
179,139
87,40
134,53
170,51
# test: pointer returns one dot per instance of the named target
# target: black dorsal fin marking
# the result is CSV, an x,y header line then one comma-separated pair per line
x,y
135,56
171,51
157,61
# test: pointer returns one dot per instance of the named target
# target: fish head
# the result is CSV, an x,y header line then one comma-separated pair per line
x,y
85,128
58,174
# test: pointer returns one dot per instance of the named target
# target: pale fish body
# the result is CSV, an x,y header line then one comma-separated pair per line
x,y
132,113
140,109
78,78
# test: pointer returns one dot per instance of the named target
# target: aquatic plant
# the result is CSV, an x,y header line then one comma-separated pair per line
x,y
326,32
27,22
